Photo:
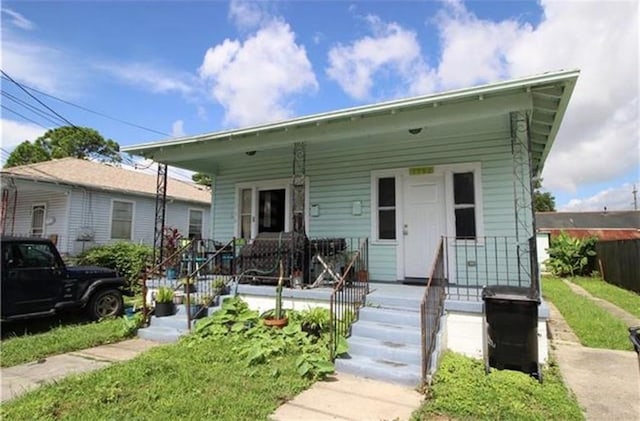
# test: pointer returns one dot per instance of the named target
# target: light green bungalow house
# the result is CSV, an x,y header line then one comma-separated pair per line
x,y
442,179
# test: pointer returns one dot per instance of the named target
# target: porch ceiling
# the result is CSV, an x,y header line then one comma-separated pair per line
x,y
545,97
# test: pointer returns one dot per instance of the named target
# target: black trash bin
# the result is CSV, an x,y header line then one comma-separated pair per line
x,y
511,329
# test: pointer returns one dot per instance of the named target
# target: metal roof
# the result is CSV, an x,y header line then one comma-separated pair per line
x,y
545,96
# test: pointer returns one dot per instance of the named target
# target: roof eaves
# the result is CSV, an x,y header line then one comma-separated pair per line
x,y
384,108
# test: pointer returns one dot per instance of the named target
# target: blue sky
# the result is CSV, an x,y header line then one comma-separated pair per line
x,y
193,67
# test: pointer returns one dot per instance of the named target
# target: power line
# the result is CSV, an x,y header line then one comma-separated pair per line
x,y
97,112
25,117
30,107
37,99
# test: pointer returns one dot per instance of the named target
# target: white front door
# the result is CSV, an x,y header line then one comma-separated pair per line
x,y
424,222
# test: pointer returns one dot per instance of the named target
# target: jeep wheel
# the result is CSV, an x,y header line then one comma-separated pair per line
x,y
105,303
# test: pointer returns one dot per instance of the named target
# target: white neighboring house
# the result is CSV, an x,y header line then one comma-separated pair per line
x,y
81,204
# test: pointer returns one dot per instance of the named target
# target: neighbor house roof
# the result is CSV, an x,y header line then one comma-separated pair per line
x,y
609,225
544,96
80,172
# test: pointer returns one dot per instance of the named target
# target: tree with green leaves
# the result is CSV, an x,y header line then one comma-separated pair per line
x,y
202,179
543,202
63,142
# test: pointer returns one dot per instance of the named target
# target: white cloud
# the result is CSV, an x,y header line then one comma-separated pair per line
x,y
247,14
391,51
16,132
201,112
598,140
254,80
19,20
614,198
39,65
600,129
151,77
177,129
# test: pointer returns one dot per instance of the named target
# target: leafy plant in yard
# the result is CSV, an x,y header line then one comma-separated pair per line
x,y
569,256
264,345
462,390
127,258
164,295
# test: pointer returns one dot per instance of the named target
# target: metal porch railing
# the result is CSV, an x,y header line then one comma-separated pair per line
x,y
348,295
431,308
472,263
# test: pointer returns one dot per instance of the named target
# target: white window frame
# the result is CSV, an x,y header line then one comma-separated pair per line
x,y
256,187
44,218
133,218
397,174
189,210
449,170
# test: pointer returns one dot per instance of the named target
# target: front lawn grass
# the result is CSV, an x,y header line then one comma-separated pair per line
x,y
594,326
462,391
194,380
22,349
626,300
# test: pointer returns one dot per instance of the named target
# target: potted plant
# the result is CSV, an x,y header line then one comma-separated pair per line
x,y
198,308
164,302
218,286
171,245
188,285
278,319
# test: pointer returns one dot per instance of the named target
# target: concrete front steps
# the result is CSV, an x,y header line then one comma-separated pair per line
x,y
171,328
385,341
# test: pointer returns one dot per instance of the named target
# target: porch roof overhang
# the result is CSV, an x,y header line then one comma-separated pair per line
x,y
544,97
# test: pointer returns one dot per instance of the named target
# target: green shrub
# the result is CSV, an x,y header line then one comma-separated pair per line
x,y
569,256
127,258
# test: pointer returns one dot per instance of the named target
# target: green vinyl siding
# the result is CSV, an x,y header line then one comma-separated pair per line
x,y
339,174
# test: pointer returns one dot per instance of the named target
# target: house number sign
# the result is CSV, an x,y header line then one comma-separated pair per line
x,y
420,170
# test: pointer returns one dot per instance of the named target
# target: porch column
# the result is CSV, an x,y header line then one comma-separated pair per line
x,y
161,206
523,188
297,208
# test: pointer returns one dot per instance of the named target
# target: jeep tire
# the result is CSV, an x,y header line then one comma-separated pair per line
x,y
105,303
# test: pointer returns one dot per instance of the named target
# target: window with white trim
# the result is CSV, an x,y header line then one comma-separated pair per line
x,y
121,220
195,223
38,213
464,204
386,208
245,213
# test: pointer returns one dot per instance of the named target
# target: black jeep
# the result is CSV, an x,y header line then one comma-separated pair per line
x,y
36,282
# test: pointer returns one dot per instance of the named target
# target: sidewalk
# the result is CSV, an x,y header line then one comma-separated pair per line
x,y
628,318
606,382
22,378
352,398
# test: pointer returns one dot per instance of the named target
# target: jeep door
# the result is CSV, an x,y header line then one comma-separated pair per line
x,y
33,281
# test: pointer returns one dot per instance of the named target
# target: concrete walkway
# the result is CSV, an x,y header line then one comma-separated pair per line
x,y
606,382
628,318
346,397
22,378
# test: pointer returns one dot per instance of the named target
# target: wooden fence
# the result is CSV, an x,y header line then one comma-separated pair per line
x,y
620,263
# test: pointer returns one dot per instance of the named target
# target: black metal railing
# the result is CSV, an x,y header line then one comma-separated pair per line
x,y
348,294
472,263
200,263
431,308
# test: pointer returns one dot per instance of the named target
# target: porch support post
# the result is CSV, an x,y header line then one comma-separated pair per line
x,y
161,206
299,163
297,208
523,188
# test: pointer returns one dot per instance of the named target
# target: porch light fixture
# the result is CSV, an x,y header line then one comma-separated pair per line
x,y
415,131
250,153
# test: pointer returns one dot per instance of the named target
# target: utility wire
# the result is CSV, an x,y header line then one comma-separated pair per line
x,y
25,117
31,108
97,112
37,99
